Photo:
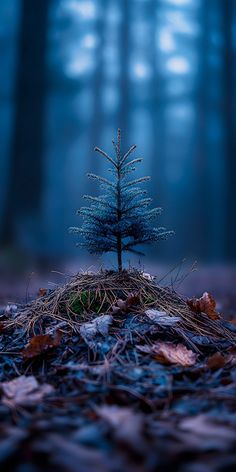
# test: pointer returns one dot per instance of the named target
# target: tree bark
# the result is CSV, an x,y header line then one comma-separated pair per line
x,y
229,70
26,156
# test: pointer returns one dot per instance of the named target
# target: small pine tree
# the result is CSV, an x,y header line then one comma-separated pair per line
x,y
119,220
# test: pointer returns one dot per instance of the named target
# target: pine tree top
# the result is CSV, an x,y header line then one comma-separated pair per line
x,y
119,219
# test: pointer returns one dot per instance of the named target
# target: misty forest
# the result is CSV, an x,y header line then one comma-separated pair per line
x,y
162,71
110,362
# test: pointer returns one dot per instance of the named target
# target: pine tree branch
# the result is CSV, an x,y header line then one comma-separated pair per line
x,y
125,157
141,203
100,201
134,161
104,154
101,179
136,181
118,144
74,230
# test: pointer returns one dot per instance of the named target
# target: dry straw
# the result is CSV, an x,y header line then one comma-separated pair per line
x,y
88,294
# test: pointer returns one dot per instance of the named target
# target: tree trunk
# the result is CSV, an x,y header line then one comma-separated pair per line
x,y
228,15
123,112
119,236
119,254
25,182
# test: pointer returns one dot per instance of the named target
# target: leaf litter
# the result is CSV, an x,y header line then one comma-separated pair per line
x,y
112,372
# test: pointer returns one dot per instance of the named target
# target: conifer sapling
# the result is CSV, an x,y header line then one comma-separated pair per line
x,y
120,219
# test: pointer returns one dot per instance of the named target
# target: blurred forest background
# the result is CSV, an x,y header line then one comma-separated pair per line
x,y
72,71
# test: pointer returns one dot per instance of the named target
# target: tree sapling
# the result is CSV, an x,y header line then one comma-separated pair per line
x,y
119,220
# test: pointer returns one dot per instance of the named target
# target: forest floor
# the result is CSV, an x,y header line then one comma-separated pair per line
x,y
126,376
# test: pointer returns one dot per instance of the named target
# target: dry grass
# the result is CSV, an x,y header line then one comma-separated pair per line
x,y
86,294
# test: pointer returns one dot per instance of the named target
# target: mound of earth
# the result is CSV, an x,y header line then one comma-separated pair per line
x,y
113,372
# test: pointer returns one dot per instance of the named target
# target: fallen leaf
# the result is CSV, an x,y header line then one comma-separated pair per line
x,y
24,391
205,427
99,325
169,353
123,306
216,361
2,326
127,425
233,321
206,304
147,276
40,344
42,292
162,318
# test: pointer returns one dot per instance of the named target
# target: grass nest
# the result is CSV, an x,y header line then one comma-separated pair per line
x,y
88,294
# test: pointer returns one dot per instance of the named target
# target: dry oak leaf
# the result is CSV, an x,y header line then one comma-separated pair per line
x,y
42,292
24,391
123,306
40,344
169,353
206,304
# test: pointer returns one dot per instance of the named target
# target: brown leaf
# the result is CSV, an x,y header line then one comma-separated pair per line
x,y
206,304
122,306
169,353
2,326
24,391
233,321
40,344
42,292
216,361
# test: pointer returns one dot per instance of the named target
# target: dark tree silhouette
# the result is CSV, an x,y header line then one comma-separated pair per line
x,y
228,10
26,157
97,83
124,48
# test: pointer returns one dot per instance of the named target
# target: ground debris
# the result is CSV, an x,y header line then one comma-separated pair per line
x,y
40,344
169,353
162,318
206,304
24,391
97,326
148,386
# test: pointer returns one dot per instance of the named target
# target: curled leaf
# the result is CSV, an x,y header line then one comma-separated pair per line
x,y
123,306
206,304
24,391
42,292
99,325
40,344
169,353
162,318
